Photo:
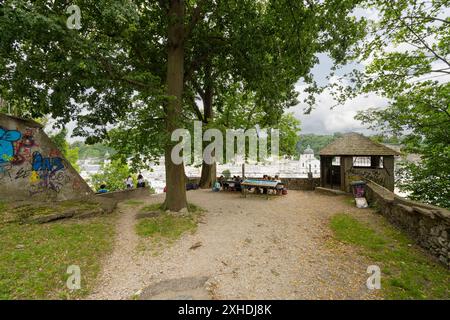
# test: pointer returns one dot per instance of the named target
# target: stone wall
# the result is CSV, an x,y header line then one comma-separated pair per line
x,y
32,167
428,225
290,183
125,194
301,183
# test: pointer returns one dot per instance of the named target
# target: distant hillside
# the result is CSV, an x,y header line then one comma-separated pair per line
x,y
316,142
97,150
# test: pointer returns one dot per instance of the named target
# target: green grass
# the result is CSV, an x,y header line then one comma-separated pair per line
x,y
407,272
152,207
134,202
167,227
2,206
34,258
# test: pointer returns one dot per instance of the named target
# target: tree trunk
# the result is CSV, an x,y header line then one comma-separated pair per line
x,y
175,175
209,172
209,175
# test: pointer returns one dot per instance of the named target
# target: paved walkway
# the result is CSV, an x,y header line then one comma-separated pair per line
x,y
250,249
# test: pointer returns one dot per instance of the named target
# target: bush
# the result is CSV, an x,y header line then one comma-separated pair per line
x,y
226,174
113,175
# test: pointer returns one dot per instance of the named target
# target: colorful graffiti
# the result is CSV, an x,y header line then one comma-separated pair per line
x,y
47,174
7,139
26,166
5,169
23,148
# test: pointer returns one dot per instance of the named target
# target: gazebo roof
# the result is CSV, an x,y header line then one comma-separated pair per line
x,y
355,144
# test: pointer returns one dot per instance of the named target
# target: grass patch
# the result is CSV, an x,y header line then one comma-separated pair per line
x,y
134,202
34,258
151,208
407,272
2,206
164,228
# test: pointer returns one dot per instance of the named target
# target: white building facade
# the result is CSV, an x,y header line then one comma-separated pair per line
x,y
309,163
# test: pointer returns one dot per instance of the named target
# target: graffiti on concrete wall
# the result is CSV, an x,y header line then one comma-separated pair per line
x,y
7,139
48,174
23,147
22,160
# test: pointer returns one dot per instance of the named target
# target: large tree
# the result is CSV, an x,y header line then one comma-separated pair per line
x,y
408,50
131,63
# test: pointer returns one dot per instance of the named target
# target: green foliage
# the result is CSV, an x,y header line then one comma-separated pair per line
x,y
382,138
406,272
113,175
226,173
316,142
96,150
409,59
289,128
116,65
428,181
70,153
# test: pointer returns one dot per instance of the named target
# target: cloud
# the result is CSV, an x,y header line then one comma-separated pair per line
x,y
326,120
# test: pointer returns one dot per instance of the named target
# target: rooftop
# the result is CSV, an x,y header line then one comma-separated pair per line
x,y
355,144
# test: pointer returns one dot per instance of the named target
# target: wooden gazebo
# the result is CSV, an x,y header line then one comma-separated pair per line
x,y
355,157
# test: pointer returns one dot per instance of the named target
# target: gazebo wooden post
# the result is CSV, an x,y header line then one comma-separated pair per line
x,y
346,166
388,165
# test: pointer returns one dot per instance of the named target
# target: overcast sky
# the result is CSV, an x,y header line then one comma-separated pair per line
x,y
326,120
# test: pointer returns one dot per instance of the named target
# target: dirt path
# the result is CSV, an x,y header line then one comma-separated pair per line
x,y
251,249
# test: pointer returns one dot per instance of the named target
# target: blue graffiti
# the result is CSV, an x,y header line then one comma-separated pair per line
x,y
48,165
50,173
7,137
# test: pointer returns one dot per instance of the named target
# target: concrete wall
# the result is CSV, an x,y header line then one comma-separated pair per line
x,y
32,167
125,194
428,225
301,183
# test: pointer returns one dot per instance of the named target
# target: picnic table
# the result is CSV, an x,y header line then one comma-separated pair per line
x,y
263,184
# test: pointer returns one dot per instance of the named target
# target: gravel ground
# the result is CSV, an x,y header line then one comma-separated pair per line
x,y
251,249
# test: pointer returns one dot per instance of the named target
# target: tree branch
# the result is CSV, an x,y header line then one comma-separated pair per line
x,y
421,40
428,18
197,14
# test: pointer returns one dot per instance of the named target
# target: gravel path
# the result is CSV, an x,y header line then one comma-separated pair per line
x,y
251,249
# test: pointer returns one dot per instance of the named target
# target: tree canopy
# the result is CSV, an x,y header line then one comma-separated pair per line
x,y
408,56
133,64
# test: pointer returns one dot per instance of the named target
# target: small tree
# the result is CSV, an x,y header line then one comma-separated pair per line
x,y
226,173
113,175
70,153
